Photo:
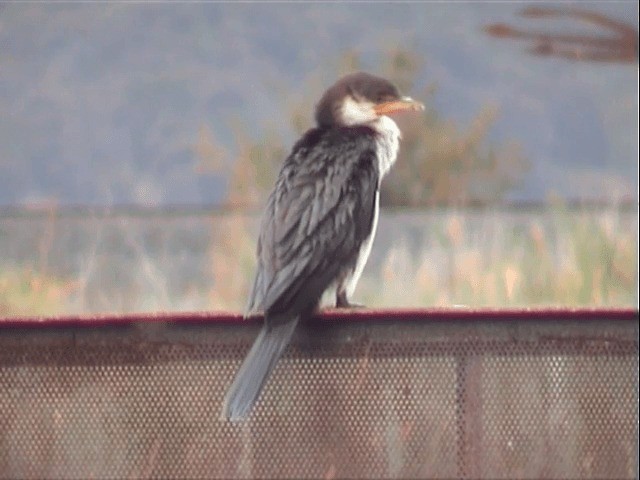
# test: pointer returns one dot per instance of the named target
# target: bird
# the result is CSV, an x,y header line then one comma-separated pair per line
x,y
320,220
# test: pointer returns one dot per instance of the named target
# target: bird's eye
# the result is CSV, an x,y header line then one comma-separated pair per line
x,y
385,97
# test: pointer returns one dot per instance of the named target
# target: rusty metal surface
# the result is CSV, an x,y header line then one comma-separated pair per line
x,y
415,394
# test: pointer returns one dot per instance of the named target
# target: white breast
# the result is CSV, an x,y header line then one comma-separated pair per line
x,y
387,144
365,250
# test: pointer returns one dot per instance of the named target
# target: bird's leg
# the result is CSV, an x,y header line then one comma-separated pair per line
x,y
343,302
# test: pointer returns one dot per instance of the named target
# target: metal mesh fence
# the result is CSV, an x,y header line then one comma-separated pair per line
x,y
412,395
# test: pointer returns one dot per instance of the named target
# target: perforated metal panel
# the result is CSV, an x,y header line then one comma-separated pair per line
x,y
412,395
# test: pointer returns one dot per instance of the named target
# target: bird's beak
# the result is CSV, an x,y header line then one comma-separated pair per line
x,y
402,105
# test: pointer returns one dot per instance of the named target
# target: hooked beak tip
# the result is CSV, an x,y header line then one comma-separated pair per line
x,y
414,104
401,105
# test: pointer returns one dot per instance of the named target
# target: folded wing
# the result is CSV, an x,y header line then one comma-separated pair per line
x,y
316,219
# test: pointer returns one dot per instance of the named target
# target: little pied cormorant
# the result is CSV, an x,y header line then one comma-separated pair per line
x,y
320,220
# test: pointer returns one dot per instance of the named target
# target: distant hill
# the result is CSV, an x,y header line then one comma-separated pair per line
x,y
102,102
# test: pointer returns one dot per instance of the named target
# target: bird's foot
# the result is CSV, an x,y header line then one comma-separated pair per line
x,y
343,302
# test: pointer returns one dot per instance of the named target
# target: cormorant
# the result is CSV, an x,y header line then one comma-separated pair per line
x,y
320,220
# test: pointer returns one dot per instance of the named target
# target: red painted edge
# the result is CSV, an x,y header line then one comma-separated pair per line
x,y
331,315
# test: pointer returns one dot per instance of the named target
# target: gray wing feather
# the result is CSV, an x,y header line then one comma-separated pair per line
x,y
309,228
310,233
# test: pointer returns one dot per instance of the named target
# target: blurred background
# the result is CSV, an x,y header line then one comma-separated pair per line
x,y
138,142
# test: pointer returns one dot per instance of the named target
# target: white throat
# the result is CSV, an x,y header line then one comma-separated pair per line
x,y
387,143
356,113
388,139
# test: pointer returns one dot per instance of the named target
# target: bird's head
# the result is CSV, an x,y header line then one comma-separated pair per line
x,y
361,98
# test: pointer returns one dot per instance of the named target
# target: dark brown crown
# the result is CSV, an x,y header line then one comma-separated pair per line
x,y
359,86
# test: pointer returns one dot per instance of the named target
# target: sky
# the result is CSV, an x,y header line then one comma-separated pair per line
x,y
102,103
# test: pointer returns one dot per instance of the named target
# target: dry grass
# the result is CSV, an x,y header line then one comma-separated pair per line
x,y
27,292
578,261
441,258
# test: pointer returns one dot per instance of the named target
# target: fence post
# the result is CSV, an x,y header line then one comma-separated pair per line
x,y
469,415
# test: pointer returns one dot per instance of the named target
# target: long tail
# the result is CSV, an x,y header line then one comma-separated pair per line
x,y
256,368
